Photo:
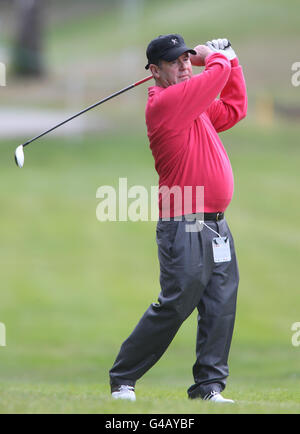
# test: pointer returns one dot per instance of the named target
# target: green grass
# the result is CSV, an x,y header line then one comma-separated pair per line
x,y
108,48
72,288
93,398
191,18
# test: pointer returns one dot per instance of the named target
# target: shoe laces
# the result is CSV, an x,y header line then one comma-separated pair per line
x,y
126,388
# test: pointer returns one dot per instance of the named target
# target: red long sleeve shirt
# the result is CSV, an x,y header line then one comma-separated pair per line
x,y
183,123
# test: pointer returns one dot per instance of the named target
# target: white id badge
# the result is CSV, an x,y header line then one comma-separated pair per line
x,y
221,249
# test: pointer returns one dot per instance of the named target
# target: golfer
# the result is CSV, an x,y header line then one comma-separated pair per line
x,y
198,266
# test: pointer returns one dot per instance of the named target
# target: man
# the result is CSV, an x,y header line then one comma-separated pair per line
x,y
198,268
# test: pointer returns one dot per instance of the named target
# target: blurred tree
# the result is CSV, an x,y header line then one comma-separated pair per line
x,y
27,56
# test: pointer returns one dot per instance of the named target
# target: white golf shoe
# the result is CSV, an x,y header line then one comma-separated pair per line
x,y
123,392
217,397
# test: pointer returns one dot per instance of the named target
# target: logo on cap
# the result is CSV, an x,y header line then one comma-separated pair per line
x,y
174,41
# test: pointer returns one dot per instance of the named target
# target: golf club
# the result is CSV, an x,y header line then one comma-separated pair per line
x,y
19,153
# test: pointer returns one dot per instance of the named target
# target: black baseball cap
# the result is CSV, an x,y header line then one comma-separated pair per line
x,y
166,47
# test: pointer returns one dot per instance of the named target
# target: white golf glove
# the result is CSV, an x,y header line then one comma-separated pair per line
x,y
222,46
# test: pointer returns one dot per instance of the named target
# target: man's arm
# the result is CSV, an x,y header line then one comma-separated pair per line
x,y
225,112
179,105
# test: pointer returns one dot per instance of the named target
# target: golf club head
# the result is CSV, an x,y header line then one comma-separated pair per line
x,y
19,156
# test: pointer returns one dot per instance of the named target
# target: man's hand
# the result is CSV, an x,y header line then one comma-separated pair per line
x,y
222,46
199,58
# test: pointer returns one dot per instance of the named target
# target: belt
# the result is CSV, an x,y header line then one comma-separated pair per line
x,y
208,216
215,216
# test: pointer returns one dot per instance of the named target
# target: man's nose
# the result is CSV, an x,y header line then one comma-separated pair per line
x,y
181,64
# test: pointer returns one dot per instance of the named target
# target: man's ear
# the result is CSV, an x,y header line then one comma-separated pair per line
x,y
155,71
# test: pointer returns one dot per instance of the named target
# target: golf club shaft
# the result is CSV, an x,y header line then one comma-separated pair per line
x,y
131,86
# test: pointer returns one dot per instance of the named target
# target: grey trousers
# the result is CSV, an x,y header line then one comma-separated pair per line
x,y
189,279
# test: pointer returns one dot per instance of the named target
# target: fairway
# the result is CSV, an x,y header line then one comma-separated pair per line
x,y
73,288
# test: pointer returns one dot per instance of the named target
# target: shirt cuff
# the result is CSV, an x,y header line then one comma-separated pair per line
x,y
214,54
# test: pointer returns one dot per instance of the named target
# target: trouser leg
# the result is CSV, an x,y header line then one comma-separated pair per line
x,y
146,344
183,277
215,325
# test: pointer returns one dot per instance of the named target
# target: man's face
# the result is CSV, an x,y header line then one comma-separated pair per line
x,y
169,73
